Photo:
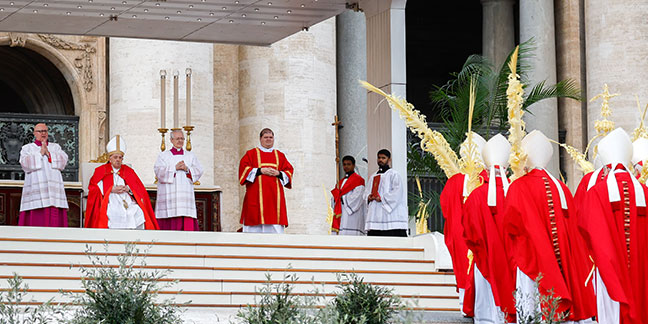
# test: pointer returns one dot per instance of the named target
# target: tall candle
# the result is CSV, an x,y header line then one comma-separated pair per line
x,y
175,99
162,98
188,73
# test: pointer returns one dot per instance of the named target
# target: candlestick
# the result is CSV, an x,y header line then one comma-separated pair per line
x,y
162,132
162,99
188,129
175,99
188,74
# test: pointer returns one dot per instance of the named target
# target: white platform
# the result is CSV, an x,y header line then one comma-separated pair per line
x,y
218,272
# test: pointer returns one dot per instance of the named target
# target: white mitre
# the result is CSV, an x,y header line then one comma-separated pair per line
x,y
117,145
639,150
538,150
496,152
479,145
616,149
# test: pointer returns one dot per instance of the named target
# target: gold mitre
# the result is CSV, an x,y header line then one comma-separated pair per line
x,y
117,145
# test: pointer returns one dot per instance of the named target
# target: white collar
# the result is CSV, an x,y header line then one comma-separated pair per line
x,y
263,149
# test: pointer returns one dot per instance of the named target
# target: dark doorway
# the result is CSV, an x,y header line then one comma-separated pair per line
x,y
31,84
440,36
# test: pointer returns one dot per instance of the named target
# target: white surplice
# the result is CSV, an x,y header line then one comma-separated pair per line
x,y
123,212
391,212
352,221
175,195
43,180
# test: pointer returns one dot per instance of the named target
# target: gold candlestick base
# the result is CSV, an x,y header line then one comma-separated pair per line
x,y
163,132
188,129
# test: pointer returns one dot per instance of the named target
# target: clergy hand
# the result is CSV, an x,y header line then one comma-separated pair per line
x,y
377,198
181,166
43,149
269,172
119,189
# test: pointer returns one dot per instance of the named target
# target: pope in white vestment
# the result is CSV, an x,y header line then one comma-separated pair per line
x,y
176,171
43,201
386,211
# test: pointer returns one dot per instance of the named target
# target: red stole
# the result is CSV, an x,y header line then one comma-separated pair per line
x,y
617,234
264,201
353,181
542,240
484,238
96,216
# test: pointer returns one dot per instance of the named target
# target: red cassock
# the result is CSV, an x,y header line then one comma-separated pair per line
x,y
452,201
484,237
617,233
264,201
97,203
351,183
542,240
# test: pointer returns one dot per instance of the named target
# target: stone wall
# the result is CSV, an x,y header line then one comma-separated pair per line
x,y
290,87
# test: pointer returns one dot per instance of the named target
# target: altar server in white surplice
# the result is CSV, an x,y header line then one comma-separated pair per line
x,y
43,201
387,202
176,171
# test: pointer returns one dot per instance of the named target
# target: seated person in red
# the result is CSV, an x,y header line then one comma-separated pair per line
x,y
117,198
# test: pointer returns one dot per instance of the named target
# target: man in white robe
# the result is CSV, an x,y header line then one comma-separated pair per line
x,y
348,202
43,201
386,209
176,171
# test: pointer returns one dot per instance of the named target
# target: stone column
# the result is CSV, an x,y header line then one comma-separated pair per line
x,y
135,99
498,30
386,70
570,60
226,132
290,88
537,22
616,50
351,52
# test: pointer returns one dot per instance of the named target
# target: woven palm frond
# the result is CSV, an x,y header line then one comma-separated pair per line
x,y
514,94
431,140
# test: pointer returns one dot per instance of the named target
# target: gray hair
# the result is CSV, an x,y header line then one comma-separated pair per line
x,y
175,131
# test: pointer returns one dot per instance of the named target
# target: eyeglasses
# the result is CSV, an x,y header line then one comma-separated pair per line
x,y
41,131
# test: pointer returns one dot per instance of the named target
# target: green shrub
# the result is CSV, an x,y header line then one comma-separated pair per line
x,y
14,309
123,294
363,303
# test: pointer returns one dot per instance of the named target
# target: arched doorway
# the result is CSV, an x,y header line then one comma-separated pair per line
x,y
34,90
31,84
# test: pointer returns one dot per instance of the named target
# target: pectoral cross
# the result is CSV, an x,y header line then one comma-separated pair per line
x,y
337,124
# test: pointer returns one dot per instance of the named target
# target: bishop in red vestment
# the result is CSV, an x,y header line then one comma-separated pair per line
x,y
616,230
482,221
542,240
452,200
117,198
265,171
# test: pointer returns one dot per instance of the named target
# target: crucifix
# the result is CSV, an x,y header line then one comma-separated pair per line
x,y
337,124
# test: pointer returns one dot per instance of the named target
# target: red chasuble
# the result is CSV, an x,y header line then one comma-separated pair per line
x,y
452,208
264,201
351,183
617,233
483,237
98,204
542,240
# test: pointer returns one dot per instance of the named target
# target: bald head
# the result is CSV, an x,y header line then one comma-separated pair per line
x,y
40,132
